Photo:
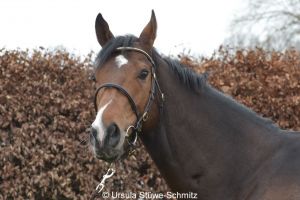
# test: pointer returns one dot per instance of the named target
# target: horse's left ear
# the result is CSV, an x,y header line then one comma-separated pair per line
x,y
148,35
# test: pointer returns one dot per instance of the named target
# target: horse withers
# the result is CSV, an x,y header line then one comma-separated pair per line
x,y
201,140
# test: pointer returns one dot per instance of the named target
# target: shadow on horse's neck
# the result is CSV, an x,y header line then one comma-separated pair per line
x,y
206,142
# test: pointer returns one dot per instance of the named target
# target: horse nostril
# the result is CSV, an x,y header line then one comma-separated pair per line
x,y
113,134
94,132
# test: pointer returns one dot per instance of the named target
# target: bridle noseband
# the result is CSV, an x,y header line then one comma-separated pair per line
x,y
137,127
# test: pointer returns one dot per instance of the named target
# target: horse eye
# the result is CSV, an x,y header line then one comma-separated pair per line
x,y
92,77
143,74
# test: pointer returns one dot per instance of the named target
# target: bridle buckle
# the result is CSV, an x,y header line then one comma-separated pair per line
x,y
145,116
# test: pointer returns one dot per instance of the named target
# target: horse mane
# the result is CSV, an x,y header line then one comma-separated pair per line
x,y
188,77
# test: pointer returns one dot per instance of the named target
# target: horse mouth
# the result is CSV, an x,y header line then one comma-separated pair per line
x,y
107,157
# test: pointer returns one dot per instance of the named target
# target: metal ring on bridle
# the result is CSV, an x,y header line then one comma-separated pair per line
x,y
127,135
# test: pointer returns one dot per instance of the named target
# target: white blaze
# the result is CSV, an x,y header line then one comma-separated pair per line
x,y
98,123
121,60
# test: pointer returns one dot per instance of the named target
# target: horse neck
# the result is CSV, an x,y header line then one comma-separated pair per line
x,y
205,139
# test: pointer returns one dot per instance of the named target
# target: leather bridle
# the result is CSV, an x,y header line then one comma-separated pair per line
x,y
137,127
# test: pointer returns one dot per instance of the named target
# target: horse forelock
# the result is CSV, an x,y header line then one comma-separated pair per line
x,y
109,49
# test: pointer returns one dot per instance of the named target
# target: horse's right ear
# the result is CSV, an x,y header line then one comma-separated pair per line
x,y
148,35
102,30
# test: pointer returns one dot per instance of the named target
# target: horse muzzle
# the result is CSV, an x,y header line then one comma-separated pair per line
x,y
106,146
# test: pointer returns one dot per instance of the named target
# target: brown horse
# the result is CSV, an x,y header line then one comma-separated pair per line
x,y
201,140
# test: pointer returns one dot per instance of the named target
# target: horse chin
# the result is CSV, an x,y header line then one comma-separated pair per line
x,y
108,159
110,156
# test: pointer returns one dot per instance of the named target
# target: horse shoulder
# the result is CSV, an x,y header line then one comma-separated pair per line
x,y
279,176
284,183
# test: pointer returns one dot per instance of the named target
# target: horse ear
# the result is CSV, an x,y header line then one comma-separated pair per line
x,y
102,30
148,35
